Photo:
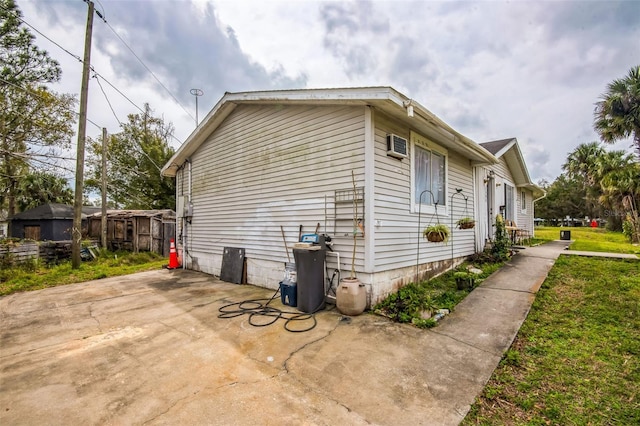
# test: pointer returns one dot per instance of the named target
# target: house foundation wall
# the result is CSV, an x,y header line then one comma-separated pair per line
x,y
268,274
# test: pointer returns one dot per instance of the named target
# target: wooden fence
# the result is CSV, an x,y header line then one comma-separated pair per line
x,y
18,253
21,252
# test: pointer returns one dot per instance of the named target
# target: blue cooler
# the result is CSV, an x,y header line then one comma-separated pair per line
x,y
289,294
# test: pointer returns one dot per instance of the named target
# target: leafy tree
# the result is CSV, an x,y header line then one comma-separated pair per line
x,y
565,197
617,114
34,121
135,157
41,188
607,180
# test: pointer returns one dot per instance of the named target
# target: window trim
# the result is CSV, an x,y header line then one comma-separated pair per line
x,y
523,201
514,200
424,143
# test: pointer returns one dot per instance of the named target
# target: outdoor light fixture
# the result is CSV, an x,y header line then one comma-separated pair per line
x,y
489,176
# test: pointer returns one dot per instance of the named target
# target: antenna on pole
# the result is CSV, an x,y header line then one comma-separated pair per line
x,y
196,93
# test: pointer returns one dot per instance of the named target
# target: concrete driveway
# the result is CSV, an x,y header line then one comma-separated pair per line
x,y
149,348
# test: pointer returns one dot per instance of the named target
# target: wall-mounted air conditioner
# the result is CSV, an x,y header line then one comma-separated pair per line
x,y
397,146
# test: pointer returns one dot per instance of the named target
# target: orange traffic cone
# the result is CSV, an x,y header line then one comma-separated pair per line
x,y
173,257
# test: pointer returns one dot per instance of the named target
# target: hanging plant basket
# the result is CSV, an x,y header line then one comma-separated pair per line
x,y
436,233
435,237
466,223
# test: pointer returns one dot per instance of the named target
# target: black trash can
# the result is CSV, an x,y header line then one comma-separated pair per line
x,y
310,273
565,235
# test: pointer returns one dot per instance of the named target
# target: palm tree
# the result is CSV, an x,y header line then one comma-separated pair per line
x,y
582,167
617,115
621,191
582,162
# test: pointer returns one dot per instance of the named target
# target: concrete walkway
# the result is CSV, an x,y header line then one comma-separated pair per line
x,y
601,254
150,349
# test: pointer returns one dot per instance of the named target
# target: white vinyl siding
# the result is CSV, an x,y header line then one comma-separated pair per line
x,y
268,166
396,224
525,214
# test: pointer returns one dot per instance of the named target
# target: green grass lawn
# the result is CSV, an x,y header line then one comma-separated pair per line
x,y
108,264
589,239
576,359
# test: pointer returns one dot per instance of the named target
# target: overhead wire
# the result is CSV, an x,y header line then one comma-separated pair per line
x,y
107,99
39,96
147,68
102,16
21,19
139,145
171,135
77,57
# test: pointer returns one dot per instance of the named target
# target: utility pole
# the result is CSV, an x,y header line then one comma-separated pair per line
x,y
76,233
103,222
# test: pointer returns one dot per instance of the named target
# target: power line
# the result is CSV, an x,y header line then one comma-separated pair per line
x,y
32,93
107,99
141,150
117,90
148,69
101,76
43,35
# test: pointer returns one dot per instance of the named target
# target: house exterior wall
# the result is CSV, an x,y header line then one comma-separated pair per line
x,y
272,166
526,214
502,175
267,167
395,223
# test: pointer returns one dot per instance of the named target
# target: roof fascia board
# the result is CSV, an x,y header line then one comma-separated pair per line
x,y
229,101
520,158
455,136
533,188
506,148
524,165
222,109
358,95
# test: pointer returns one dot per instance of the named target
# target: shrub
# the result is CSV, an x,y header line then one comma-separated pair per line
x,y
501,248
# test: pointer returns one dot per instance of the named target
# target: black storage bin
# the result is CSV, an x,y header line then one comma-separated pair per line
x,y
310,273
565,235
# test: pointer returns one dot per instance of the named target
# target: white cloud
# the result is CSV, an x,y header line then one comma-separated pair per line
x,y
492,70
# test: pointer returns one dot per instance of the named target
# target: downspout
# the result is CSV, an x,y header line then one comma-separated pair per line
x,y
185,220
533,206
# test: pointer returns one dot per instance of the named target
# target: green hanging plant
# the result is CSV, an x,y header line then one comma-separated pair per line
x,y
466,223
438,233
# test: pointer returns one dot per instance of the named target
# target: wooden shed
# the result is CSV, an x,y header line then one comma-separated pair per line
x,y
136,230
48,222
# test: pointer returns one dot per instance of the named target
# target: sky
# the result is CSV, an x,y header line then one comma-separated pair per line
x,y
491,69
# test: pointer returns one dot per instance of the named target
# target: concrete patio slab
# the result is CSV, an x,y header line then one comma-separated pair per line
x,y
150,348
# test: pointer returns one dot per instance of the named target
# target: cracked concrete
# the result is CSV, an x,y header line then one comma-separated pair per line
x,y
150,348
